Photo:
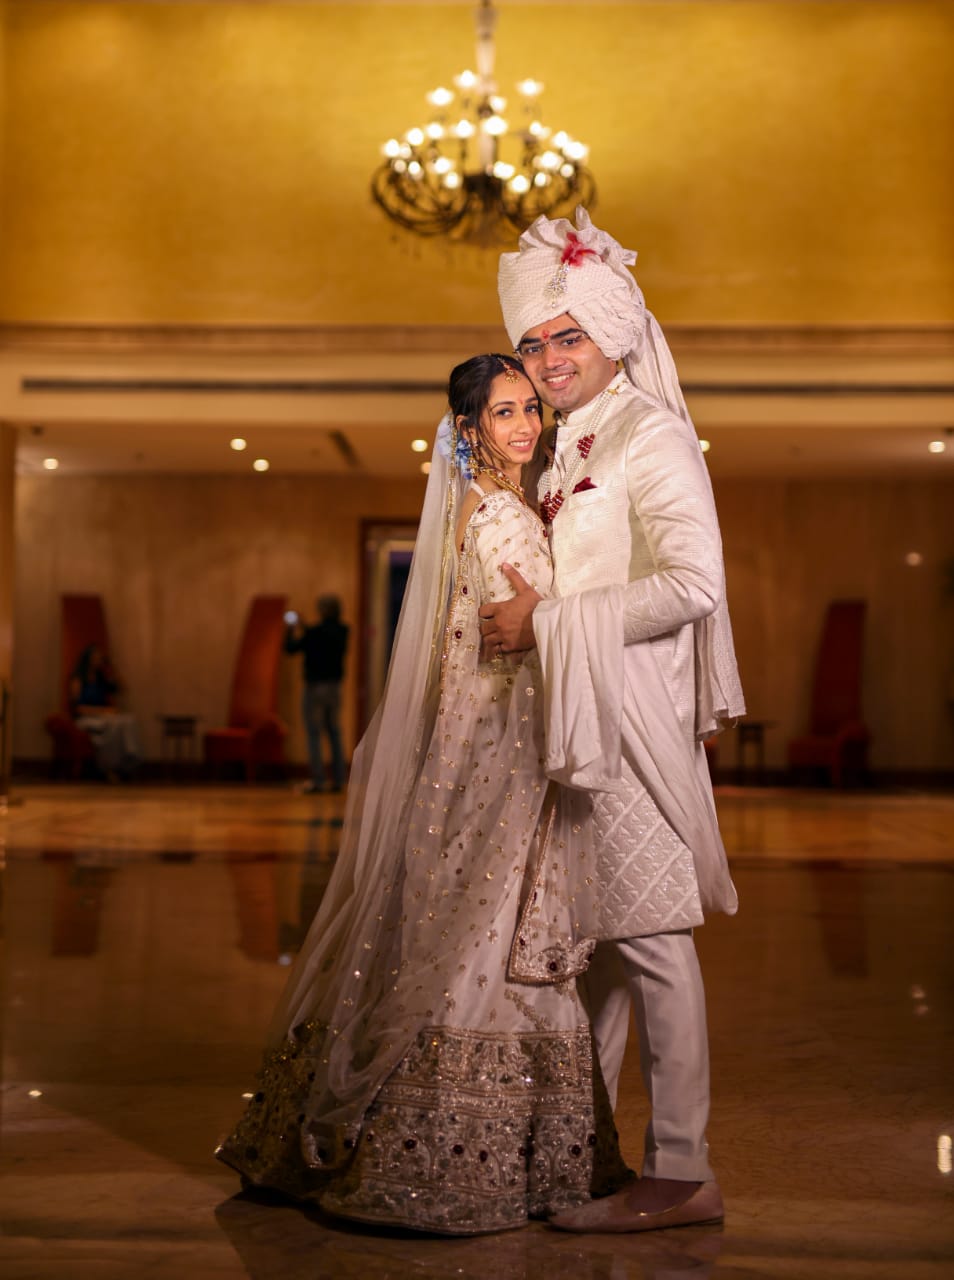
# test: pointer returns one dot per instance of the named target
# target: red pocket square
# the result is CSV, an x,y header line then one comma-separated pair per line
x,y
585,483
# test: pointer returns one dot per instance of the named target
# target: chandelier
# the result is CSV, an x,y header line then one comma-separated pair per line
x,y
474,176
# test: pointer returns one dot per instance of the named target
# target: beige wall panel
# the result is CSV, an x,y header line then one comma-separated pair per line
x,y
208,162
177,558
8,443
791,547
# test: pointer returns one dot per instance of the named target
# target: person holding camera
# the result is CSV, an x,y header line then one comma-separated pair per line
x,y
323,646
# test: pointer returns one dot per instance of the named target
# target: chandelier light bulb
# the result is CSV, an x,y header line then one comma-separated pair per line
x,y
473,177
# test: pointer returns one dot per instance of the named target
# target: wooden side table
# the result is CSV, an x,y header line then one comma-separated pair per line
x,y
178,743
751,733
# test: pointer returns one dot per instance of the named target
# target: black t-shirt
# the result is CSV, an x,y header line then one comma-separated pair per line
x,y
324,647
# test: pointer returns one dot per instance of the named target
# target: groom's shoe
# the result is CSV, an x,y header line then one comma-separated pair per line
x,y
622,1212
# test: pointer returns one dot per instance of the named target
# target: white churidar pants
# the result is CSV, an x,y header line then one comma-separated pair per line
x,y
659,978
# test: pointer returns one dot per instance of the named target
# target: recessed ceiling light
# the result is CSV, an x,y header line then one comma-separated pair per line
x,y
937,446
425,468
914,558
419,446
260,464
705,445
50,464
238,444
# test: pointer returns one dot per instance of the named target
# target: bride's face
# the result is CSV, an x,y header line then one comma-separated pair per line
x,y
510,424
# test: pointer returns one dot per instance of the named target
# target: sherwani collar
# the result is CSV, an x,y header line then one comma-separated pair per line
x,y
570,427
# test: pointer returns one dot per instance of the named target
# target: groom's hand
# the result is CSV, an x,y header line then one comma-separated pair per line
x,y
506,626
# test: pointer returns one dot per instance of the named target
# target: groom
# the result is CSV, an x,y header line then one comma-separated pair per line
x,y
639,591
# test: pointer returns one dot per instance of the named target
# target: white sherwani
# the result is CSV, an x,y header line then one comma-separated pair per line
x,y
637,661
638,666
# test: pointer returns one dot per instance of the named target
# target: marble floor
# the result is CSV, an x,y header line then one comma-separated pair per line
x,y
147,933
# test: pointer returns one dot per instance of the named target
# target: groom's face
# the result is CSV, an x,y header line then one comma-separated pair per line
x,y
565,366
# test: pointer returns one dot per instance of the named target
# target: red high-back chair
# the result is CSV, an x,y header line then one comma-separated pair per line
x,y
82,623
254,734
837,738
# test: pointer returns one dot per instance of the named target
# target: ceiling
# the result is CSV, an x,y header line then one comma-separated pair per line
x,y
384,449
150,208
779,402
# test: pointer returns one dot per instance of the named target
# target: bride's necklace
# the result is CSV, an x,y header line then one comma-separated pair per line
x,y
501,478
551,502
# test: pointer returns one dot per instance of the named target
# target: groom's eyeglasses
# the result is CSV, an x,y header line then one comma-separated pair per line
x,y
530,348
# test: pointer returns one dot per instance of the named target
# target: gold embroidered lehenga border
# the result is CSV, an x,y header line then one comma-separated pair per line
x,y
474,1132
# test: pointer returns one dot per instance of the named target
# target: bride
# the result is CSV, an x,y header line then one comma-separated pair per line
x,y
430,1063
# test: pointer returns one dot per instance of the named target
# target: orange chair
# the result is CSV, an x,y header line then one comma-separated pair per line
x,y
254,734
82,623
837,739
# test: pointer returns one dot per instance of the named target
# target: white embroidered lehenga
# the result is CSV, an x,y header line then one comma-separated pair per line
x,y
431,1063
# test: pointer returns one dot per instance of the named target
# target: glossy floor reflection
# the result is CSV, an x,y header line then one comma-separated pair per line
x,y
147,934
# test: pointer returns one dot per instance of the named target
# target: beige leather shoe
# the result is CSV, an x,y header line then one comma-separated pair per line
x,y
616,1213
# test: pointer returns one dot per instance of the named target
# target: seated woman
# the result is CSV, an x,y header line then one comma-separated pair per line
x,y
425,1070
93,691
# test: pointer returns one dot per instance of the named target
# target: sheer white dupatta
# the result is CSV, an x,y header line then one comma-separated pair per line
x,y
336,991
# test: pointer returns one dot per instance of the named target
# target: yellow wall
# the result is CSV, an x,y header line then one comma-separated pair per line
x,y
778,162
3,109
177,558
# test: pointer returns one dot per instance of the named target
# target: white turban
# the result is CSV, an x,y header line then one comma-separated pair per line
x,y
585,273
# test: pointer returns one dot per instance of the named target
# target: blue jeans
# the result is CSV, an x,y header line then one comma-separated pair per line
x,y
320,706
